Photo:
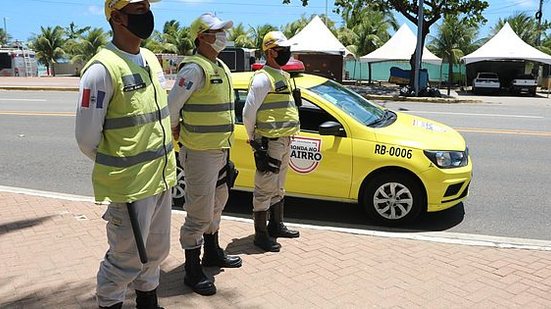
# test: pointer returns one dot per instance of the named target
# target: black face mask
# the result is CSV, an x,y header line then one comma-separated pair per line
x,y
283,57
141,25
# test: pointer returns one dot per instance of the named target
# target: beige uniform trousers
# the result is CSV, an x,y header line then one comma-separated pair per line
x,y
204,200
269,187
121,265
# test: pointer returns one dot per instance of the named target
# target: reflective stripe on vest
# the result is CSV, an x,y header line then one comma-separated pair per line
x,y
129,161
277,116
131,121
135,157
207,117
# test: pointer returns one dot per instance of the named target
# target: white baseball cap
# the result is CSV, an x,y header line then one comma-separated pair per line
x,y
208,21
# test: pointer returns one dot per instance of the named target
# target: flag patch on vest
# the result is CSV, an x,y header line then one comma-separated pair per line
x,y
88,98
132,82
185,84
85,101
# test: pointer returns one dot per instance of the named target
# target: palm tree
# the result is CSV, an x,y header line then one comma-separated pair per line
x,y
4,37
259,32
73,32
455,39
173,39
370,30
87,45
240,36
524,25
48,46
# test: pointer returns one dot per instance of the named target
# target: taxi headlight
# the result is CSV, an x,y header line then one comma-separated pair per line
x,y
448,159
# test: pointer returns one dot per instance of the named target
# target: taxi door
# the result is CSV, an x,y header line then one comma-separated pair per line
x,y
319,165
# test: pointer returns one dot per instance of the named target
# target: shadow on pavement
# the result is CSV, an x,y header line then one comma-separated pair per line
x,y
60,296
336,214
21,224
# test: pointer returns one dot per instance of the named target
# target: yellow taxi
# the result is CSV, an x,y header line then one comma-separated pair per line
x,y
394,165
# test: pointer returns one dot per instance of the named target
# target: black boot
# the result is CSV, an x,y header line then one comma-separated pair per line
x,y
261,237
147,300
115,306
195,278
213,255
276,228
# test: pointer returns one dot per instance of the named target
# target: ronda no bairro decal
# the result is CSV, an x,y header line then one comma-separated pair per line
x,y
305,154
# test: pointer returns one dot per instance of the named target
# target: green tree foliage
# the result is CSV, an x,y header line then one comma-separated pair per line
x,y
455,38
240,36
73,32
524,25
174,39
259,32
48,46
366,30
4,37
86,45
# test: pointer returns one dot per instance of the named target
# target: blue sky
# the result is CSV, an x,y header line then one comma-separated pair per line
x,y
24,17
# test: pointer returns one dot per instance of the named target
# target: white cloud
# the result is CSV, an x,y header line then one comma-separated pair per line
x,y
95,10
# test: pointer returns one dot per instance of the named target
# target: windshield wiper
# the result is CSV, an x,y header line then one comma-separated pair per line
x,y
384,117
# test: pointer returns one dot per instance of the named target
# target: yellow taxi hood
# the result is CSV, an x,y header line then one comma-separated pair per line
x,y
418,132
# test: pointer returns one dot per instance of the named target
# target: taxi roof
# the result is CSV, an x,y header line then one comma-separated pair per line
x,y
241,80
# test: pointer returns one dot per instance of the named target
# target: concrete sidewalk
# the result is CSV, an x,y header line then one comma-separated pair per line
x,y
50,249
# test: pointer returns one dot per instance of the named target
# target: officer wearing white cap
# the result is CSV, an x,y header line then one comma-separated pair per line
x,y
202,119
271,118
123,124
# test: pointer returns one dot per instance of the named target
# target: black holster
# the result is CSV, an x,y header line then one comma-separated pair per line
x,y
264,163
231,174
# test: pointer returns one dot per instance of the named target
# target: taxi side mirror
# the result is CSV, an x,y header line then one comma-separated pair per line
x,y
332,128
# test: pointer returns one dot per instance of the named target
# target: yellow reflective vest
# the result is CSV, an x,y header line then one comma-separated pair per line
x,y
135,157
208,117
277,116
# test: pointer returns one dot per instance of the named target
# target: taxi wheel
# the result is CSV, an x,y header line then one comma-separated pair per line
x,y
178,199
393,198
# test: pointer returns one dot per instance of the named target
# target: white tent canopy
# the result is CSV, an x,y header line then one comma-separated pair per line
x,y
506,45
317,38
400,47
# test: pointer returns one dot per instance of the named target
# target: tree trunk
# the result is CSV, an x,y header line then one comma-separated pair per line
x,y
412,59
53,69
450,76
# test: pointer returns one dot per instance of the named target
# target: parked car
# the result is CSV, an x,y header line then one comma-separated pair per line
x,y
524,83
394,165
486,82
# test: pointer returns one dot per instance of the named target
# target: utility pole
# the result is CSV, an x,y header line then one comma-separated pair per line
x,y
326,13
418,50
538,17
5,29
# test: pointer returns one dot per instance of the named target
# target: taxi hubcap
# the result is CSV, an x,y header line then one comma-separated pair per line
x,y
393,201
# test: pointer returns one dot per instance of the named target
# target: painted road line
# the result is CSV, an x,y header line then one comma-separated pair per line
x,y
25,100
439,237
505,131
54,114
472,114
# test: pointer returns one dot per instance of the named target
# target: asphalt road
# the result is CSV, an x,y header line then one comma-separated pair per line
x,y
509,141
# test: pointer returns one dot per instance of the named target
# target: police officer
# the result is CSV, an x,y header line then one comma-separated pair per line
x,y
271,119
202,116
123,124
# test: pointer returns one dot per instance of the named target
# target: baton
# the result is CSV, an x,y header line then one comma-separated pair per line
x,y
137,232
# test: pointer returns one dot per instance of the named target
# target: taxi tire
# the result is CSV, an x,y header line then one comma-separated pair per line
x,y
403,179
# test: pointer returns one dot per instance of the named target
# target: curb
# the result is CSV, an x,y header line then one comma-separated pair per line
x,y
422,100
451,238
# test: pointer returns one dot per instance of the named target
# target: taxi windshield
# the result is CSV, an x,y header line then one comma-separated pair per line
x,y
350,102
